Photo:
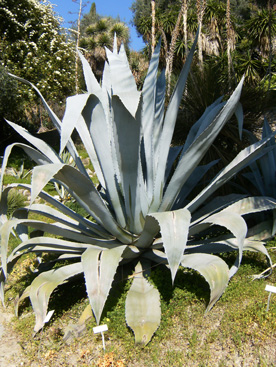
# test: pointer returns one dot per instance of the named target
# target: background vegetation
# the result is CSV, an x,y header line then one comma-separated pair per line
x,y
236,38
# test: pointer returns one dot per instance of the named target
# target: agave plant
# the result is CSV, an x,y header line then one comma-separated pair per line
x,y
140,213
262,179
262,174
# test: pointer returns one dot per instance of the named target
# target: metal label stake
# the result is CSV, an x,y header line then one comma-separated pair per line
x,y
100,329
270,289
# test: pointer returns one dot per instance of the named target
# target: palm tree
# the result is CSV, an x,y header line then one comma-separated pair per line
x,y
171,52
230,39
100,34
200,6
214,22
153,41
261,28
185,19
78,43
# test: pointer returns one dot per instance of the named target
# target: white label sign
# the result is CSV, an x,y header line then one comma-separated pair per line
x,y
100,329
270,288
48,316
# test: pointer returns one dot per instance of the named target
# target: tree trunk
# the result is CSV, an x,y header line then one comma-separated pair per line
x,y
228,26
153,41
169,59
185,17
78,43
200,4
269,7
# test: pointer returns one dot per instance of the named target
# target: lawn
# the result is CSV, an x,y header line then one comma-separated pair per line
x,y
238,331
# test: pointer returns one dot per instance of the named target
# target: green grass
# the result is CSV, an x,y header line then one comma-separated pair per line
x,y
238,328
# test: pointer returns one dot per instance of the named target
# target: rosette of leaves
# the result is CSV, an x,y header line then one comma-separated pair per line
x,y
140,211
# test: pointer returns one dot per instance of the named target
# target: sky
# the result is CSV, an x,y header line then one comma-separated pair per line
x,y
68,10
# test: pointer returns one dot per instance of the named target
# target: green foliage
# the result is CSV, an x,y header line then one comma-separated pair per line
x,y
97,32
145,211
15,201
252,34
8,100
34,47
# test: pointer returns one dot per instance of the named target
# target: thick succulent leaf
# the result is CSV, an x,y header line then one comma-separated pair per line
x,y
256,246
44,148
3,276
239,116
38,157
174,227
231,221
127,141
240,161
99,269
74,107
94,229
84,191
101,132
5,231
78,114
213,269
71,147
2,285
44,284
106,79
168,128
159,114
205,120
267,163
215,205
261,231
56,245
251,205
73,118
52,115
148,115
156,255
255,177
191,183
151,228
143,311
256,205
197,150
122,80
47,244
41,176
91,82
227,243
197,128
55,215
56,229
174,152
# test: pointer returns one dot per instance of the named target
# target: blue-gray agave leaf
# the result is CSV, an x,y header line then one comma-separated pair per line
x,y
143,311
99,269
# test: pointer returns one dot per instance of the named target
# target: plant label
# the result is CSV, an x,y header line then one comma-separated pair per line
x,y
100,329
270,288
48,316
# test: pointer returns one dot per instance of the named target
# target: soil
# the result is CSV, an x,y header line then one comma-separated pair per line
x,y
10,350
